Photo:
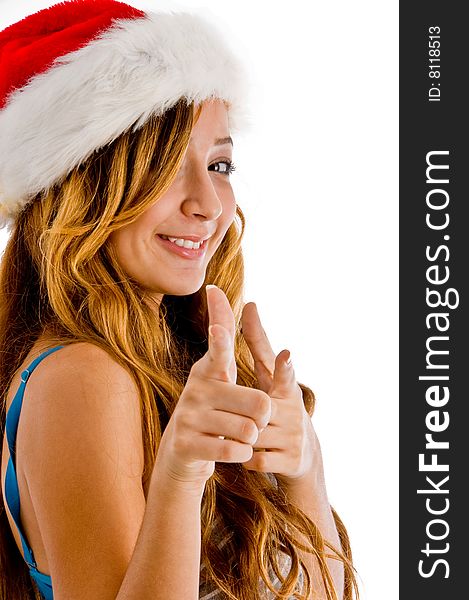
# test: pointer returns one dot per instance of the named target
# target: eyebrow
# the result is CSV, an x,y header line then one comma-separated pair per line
x,y
220,141
223,141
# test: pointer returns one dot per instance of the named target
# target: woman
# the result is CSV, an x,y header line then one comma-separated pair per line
x,y
163,450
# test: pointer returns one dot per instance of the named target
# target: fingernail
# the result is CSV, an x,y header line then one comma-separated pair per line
x,y
288,362
210,285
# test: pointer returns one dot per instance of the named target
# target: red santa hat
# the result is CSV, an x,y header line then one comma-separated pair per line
x,y
75,76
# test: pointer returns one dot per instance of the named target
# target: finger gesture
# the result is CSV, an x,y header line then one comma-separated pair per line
x,y
215,419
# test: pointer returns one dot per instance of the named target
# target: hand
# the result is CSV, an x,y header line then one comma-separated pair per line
x,y
289,440
212,405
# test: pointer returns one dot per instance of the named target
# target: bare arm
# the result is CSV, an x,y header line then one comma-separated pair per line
x,y
81,446
166,561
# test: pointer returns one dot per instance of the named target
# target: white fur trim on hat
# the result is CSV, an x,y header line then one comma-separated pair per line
x,y
89,97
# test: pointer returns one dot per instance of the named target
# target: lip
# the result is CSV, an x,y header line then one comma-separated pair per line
x,y
189,253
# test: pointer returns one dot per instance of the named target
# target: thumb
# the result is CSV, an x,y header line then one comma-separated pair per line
x,y
219,360
220,353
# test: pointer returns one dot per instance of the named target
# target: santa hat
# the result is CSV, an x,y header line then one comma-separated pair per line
x,y
75,76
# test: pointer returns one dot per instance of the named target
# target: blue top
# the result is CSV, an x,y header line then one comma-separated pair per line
x,y
12,497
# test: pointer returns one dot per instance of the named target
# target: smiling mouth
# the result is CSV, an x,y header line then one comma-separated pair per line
x,y
183,242
185,249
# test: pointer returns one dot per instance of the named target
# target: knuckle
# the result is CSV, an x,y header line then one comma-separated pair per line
x,y
262,403
181,445
184,425
193,392
249,431
188,393
227,451
180,417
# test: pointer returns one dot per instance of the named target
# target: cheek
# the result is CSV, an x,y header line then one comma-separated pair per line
x,y
120,249
124,248
229,212
224,222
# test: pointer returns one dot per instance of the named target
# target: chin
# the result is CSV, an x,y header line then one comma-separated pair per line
x,y
183,288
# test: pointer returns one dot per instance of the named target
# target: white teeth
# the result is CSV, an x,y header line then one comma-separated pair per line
x,y
183,243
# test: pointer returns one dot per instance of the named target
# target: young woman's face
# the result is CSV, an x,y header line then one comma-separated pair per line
x,y
198,206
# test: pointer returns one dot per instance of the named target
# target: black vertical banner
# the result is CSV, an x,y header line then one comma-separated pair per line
x,y
434,257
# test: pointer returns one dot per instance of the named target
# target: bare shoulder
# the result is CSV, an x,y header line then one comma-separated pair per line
x,y
81,386
82,455
81,365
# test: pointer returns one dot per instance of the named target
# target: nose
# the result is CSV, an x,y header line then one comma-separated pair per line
x,y
201,198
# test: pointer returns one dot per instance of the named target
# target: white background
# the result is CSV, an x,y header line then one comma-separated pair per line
x,y
317,181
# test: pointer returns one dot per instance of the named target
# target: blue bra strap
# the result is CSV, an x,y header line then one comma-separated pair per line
x,y
12,495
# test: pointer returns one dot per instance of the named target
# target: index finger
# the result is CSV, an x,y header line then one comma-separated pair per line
x,y
256,337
